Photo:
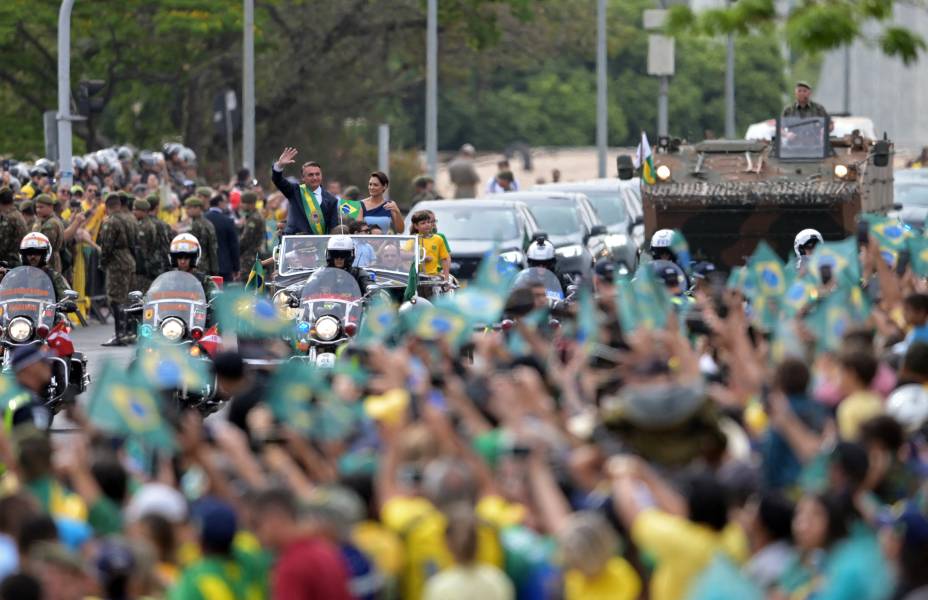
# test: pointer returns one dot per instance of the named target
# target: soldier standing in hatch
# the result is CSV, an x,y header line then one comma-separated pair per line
x,y
12,229
117,240
253,237
205,233
48,224
803,106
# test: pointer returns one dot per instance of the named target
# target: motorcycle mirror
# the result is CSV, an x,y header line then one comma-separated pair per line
x,y
71,295
68,306
572,289
135,296
293,302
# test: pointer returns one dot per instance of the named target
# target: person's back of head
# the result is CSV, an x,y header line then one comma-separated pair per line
x,y
36,529
707,501
21,586
215,201
915,308
915,363
885,431
848,466
35,457
461,533
775,515
111,477
587,541
15,510
860,363
792,377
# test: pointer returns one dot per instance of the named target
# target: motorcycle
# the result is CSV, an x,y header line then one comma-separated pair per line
x,y
329,312
175,308
29,315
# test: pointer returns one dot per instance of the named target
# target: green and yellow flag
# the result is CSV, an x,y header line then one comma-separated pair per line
x,y
250,316
642,302
299,396
167,366
890,233
840,258
12,397
412,283
379,322
256,281
123,404
587,321
445,322
645,161
918,251
350,209
767,271
835,314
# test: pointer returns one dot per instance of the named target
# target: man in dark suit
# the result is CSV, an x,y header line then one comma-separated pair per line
x,y
312,209
226,236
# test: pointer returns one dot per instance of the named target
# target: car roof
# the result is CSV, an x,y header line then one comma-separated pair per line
x,y
536,196
466,203
604,184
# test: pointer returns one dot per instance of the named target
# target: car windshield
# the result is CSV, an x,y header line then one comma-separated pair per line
x,y
608,207
802,137
300,253
556,219
482,223
912,194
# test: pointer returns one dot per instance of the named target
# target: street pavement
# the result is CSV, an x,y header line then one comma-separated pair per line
x,y
88,340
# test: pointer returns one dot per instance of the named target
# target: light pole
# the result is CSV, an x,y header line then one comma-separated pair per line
x,y
64,94
431,89
730,86
601,110
248,89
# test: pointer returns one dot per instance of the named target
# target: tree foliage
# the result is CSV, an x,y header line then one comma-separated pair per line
x,y
328,72
812,26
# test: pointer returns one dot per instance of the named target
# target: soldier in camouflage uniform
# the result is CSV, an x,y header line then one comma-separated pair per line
x,y
253,238
27,208
117,241
12,229
165,234
48,224
147,267
205,233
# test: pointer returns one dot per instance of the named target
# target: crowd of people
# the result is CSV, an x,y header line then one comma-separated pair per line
x,y
662,438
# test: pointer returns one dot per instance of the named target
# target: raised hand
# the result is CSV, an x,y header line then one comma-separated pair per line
x,y
286,157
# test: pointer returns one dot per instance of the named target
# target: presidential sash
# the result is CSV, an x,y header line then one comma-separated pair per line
x,y
311,210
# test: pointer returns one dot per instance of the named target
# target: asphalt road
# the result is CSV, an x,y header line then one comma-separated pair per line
x,y
88,340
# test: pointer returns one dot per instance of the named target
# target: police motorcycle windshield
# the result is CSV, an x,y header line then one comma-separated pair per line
x,y
331,291
27,292
539,276
178,295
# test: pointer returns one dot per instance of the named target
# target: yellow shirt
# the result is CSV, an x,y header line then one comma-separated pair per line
x,y
681,549
617,581
421,526
435,252
854,411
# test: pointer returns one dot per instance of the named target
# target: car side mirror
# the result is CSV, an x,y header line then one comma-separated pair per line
x,y
897,206
71,295
134,297
598,230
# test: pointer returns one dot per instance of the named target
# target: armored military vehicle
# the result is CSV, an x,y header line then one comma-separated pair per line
x,y
727,195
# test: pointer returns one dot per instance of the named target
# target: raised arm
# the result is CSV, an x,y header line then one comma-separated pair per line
x,y
277,171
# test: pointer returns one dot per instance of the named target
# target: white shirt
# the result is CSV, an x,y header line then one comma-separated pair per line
x,y
495,188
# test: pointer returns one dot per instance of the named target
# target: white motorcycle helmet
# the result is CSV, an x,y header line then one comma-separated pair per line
x,y
909,405
804,238
185,245
339,246
33,243
540,253
661,242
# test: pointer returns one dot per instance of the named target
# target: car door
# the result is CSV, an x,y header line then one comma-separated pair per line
x,y
528,224
596,244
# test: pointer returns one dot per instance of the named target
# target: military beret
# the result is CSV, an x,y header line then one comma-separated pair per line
x,y
204,191
803,83
27,205
249,198
45,199
194,201
141,204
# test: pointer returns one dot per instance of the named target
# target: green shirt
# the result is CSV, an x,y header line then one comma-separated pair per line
x,y
215,578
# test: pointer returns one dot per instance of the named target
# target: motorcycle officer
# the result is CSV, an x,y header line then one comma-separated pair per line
x,y
339,254
804,245
35,250
541,255
185,255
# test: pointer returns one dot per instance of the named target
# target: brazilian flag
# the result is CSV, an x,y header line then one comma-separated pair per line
x,y
840,258
890,233
767,271
741,279
349,209
443,322
642,302
412,283
379,322
681,249
167,366
477,305
587,321
256,280
246,315
124,404
800,293
494,274
12,397
918,251
835,315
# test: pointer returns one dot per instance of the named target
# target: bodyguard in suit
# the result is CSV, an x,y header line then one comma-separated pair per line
x,y
312,209
226,237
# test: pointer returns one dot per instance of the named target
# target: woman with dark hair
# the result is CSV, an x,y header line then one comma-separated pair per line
x,y
376,210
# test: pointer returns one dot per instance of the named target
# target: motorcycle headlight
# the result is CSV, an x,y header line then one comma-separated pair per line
x,y
616,239
326,328
172,329
513,256
570,251
20,329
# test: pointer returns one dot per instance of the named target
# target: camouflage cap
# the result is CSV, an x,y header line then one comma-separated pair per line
x,y
153,200
422,180
45,199
141,204
249,198
803,83
204,191
194,201
27,205
115,195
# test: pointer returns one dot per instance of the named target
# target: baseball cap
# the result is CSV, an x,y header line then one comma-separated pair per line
x,y
216,522
24,356
158,499
606,269
803,83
